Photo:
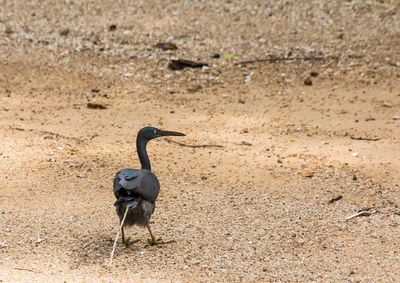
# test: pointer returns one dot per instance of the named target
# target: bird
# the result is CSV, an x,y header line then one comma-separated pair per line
x,y
136,190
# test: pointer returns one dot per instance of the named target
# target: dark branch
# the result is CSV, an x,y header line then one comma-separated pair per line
x,y
276,59
364,139
193,146
45,133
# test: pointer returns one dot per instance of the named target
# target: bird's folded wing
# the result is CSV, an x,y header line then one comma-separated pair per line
x,y
128,174
124,174
141,183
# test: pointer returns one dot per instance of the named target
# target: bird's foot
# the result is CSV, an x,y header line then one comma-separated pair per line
x,y
128,242
154,242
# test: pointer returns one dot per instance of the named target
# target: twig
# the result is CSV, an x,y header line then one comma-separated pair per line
x,y
23,269
87,244
361,213
27,269
193,146
116,238
364,139
275,59
45,132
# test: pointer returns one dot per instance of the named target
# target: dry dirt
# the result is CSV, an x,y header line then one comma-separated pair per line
x,y
243,212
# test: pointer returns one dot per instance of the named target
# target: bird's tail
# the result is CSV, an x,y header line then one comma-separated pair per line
x,y
130,201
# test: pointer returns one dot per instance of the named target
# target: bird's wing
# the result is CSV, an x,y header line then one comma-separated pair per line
x,y
139,182
124,174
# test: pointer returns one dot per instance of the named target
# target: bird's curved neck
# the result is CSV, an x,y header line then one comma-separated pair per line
x,y
141,150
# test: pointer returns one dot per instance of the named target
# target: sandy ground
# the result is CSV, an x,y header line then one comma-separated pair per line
x,y
255,209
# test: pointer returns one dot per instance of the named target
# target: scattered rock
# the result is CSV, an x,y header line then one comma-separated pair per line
x,y
242,101
246,143
195,88
95,90
314,74
336,199
44,42
180,64
64,32
396,117
9,31
216,56
306,173
165,46
308,81
354,177
112,27
386,104
93,105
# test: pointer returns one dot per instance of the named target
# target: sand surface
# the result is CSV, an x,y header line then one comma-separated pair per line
x,y
255,209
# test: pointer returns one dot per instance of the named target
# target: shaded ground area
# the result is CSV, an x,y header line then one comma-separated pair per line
x,y
255,209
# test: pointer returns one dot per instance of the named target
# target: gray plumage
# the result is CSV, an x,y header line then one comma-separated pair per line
x,y
138,189
140,186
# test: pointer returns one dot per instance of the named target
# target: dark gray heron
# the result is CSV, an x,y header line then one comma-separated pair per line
x,y
136,190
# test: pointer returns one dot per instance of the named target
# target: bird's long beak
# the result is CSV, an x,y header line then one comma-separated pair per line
x,y
169,133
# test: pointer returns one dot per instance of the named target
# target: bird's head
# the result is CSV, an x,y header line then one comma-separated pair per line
x,y
149,133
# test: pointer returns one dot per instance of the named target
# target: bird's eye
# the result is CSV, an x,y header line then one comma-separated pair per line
x,y
155,131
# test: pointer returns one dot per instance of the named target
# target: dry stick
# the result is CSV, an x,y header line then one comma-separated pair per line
x,y
116,238
283,59
194,146
364,139
361,213
45,132
26,269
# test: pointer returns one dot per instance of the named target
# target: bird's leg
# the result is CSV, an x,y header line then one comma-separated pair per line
x,y
123,235
127,241
153,241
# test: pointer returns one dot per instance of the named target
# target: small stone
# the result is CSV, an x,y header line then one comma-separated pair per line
x,y
396,117
80,176
386,104
64,32
306,173
112,27
308,81
8,31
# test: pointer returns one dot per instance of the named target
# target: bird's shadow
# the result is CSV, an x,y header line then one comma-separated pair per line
x,y
98,250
